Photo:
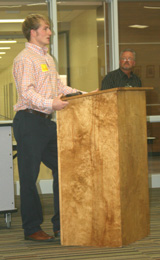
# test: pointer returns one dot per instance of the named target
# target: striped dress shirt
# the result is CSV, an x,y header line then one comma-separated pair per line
x,y
37,80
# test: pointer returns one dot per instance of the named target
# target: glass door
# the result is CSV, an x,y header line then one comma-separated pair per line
x,y
81,43
139,29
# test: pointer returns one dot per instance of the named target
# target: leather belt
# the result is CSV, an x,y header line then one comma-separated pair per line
x,y
31,111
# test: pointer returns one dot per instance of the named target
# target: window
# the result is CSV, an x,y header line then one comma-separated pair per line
x,y
139,29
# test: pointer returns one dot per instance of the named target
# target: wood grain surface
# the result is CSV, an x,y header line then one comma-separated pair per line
x,y
103,172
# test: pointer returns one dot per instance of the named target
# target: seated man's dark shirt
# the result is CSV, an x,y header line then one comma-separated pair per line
x,y
118,78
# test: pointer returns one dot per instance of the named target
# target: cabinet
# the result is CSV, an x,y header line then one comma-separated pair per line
x,y
7,201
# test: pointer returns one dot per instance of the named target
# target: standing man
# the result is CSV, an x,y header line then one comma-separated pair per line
x,y
124,76
39,94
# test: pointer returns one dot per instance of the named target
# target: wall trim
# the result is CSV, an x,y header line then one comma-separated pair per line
x,y
43,186
154,180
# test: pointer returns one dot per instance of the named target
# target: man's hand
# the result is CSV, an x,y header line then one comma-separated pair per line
x,y
95,90
58,104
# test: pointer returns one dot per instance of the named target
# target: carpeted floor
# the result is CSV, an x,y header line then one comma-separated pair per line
x,y
14,247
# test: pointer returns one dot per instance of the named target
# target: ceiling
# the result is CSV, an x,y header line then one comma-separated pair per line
x,y
130,12
15,10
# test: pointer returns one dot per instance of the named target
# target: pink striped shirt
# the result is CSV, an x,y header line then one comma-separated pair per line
x,y
37,80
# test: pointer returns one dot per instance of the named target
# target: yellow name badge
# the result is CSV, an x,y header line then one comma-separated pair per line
x,y
44,67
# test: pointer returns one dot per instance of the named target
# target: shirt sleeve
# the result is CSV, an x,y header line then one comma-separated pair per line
x,y
63,89
140,83
107,82
137,81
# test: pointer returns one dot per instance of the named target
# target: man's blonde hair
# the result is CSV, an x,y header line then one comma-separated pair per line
x,y
32,22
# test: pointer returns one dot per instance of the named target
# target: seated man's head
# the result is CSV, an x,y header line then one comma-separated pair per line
x,y
127,60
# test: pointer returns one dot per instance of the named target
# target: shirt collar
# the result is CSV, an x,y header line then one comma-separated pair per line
x,y
36,48
123,74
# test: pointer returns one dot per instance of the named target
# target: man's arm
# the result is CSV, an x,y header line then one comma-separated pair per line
x,y
107,82
63,89
138,81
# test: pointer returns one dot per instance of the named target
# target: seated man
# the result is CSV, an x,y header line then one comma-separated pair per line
x,y
124,76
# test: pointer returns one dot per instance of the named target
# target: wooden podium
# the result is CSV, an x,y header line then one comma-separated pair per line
x,y
103,168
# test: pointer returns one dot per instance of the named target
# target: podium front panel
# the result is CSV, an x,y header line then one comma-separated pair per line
x,y
93,172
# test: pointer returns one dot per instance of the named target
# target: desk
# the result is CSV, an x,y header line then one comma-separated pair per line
x,y
7,202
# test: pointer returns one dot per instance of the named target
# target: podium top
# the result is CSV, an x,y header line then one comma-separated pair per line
x,y
109,90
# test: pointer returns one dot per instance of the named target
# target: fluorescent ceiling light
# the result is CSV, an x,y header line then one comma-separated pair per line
x,y
100,19
11,20
8,41
138,26
152,7
10,6
5,48
36,4
2,52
